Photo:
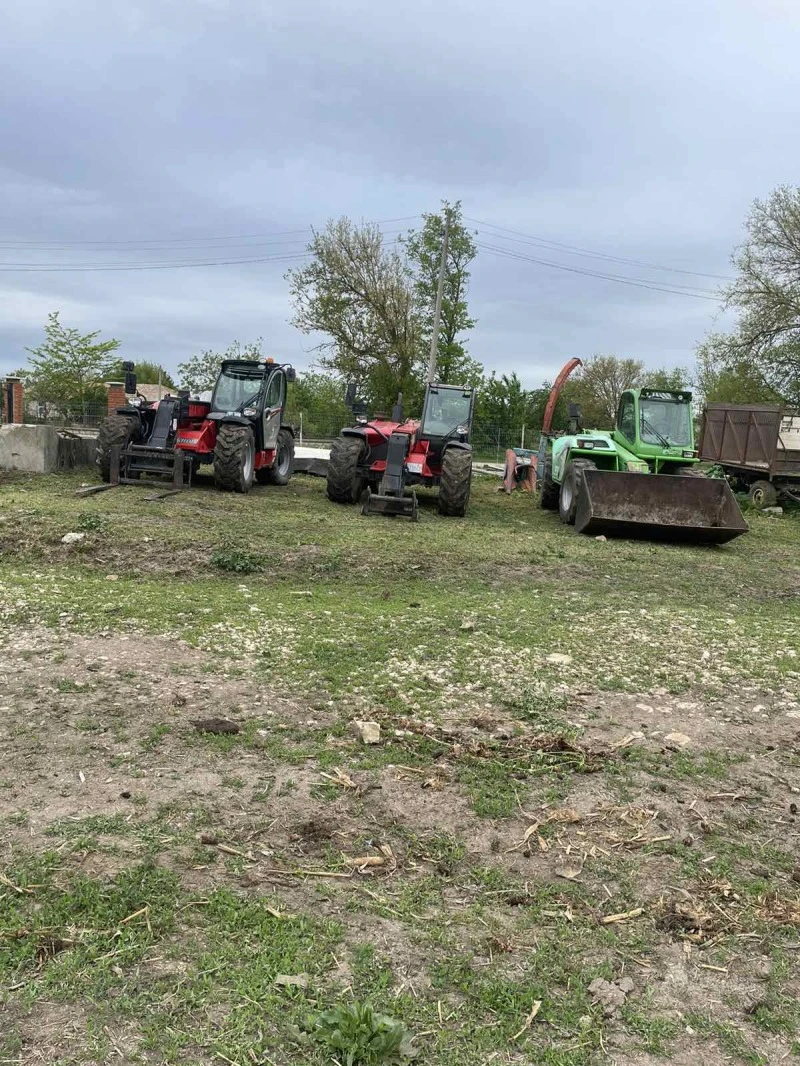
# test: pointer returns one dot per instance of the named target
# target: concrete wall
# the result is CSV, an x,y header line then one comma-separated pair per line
x,y
43,449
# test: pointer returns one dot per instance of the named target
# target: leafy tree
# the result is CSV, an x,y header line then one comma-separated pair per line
x,y
503,402
732,382
359,295
69,368
599,384
319,398
675,379
200,372
763,351
146,373
454,366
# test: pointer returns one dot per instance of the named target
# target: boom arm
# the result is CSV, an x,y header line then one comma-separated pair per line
x,y
552,399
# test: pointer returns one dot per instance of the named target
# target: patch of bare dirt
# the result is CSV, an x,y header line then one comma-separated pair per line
x,y
102,727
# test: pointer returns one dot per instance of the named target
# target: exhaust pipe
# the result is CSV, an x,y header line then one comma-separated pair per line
x,y
658,507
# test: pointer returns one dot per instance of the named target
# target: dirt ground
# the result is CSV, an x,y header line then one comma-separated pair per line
x,y
100,730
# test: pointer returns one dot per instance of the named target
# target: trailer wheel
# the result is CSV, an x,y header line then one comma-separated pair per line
x,y
455,482
281,470
345,483
114,430
570,487
549,491
234,458
763,494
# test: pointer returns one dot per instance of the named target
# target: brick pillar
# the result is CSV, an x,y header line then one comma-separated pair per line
x,y
14,391
116,395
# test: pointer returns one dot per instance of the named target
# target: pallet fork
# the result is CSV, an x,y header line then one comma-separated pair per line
x,y
391,499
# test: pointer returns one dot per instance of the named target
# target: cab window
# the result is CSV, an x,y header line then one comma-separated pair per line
x,y
627,417
275,391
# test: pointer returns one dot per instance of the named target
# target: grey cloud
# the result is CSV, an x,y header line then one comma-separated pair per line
x,y
640,130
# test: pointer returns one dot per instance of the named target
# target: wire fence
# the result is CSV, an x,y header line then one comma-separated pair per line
x,y
67,416
490,440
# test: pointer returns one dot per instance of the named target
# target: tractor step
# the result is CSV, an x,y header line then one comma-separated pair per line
x,y
393,506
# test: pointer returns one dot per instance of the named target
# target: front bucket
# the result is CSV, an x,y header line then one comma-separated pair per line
x,y
405,506
658,506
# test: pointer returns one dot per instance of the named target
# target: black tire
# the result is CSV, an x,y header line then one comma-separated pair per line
x,y
346,482
283,467
570,487
762,494
116,429
234,458
455,482
548,492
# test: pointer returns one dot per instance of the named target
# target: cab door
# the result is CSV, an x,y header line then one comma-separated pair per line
x,y
274,402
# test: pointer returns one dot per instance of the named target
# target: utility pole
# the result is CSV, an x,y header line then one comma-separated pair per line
x,y
437,314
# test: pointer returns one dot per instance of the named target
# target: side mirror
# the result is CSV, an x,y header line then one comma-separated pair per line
x,y
350,394
291,374
130,383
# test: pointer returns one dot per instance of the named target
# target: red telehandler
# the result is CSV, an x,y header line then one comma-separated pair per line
x,y
377,458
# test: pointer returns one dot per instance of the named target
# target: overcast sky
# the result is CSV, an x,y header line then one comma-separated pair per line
x,y
137,133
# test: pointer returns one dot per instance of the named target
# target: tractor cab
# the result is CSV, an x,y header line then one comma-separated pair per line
x,y
253,392
446,416
658,427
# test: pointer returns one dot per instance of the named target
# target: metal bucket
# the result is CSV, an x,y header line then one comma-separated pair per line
x,y
659,507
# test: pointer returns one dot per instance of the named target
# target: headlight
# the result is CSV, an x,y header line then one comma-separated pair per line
x,y
462,430
250,412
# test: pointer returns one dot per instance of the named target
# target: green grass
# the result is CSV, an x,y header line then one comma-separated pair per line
x,y
179,944
333,599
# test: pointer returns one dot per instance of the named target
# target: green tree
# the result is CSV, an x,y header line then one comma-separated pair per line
x,y
731,381
319,399
68,369
599,384
146,373
504,403
200,372
454,365
673,379
763,350
358,294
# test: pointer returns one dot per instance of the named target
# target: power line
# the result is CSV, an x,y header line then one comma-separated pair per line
x,y
637,283
47,268
75,267
13,243
228,248
571,249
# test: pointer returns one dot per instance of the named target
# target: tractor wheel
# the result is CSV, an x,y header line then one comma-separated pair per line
x,y
234,458
763,494
548,493
455,482
570,487
281,470
114,430
345,482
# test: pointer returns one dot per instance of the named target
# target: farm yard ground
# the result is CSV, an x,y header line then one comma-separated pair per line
x,y
576,843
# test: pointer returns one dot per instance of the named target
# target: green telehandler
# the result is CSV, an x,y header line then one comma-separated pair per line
x,y
640,479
